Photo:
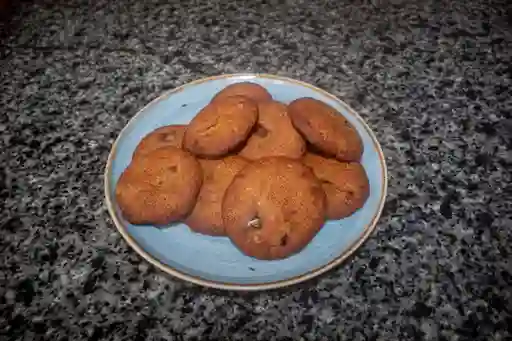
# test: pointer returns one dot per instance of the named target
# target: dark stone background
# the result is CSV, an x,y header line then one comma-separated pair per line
x,y
432,78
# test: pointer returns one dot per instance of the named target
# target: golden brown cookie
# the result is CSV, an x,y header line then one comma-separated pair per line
x,y
168,136
326,129
274,134
273,208
251,90
206,217
345,184
220,126
159,187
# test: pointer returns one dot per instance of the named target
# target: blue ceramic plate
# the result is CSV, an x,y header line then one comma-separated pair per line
x,y
214,261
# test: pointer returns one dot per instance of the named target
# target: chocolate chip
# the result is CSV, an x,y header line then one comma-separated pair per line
x,y
317,193
261,131
284,240
306,172
349,197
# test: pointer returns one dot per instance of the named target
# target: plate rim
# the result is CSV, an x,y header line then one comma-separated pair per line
x,y
368,230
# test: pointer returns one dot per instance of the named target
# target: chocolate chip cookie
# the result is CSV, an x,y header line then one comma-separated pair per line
x,y
168,136
159,187
273,208
274,134
221,126
206,217
345,184
326,129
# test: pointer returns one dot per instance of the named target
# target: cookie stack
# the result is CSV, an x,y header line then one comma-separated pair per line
x,y
263,173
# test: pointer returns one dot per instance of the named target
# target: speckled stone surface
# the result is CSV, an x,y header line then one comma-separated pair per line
x,y
431,77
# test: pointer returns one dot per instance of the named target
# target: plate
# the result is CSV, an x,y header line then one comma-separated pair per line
x,y
215,261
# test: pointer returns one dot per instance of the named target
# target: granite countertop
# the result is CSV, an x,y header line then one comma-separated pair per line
x,y
430,77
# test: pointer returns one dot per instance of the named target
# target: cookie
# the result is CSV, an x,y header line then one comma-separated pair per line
x,y
274,134
326,129
220,126
159,187
168,136
251,90
206,217
345,184
273,208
